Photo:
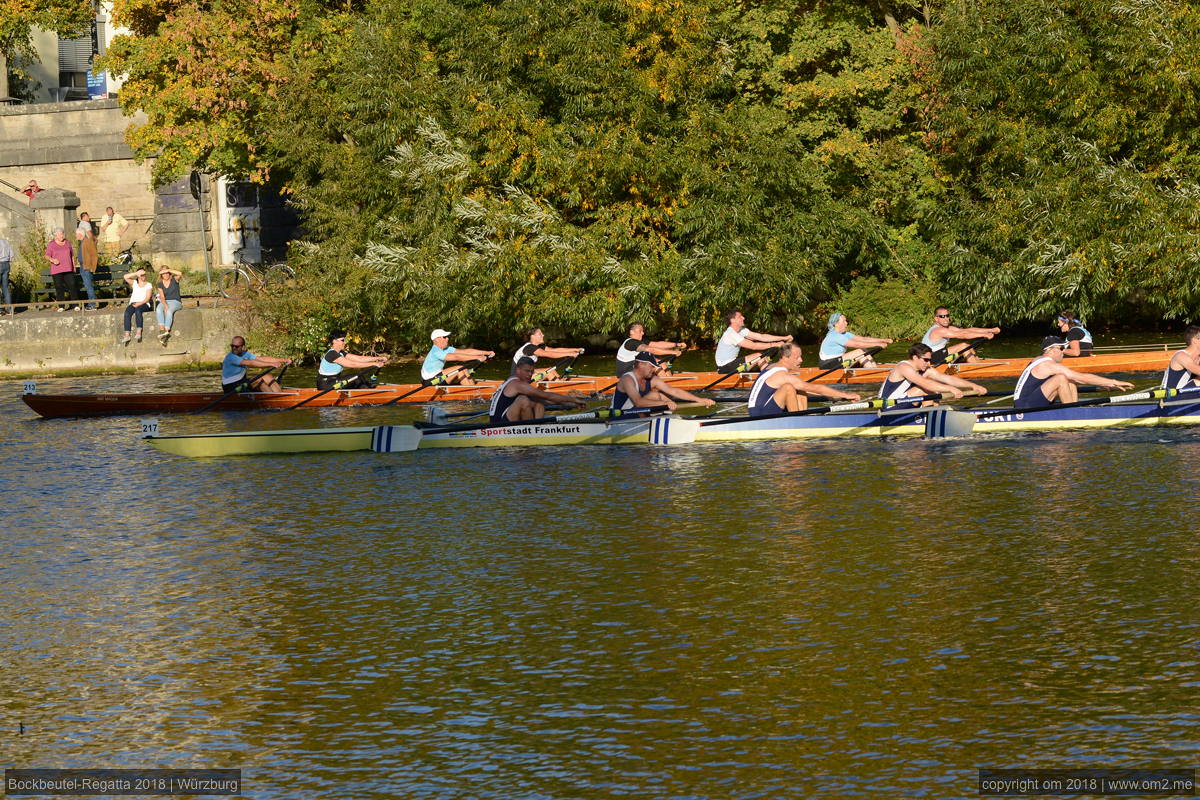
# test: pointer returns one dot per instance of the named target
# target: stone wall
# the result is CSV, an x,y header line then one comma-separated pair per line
x,y
80,147
90,341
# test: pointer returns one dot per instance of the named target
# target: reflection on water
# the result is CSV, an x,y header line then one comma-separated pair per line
x,y
808,619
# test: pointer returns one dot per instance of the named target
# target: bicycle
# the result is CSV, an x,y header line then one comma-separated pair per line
x,y
242,279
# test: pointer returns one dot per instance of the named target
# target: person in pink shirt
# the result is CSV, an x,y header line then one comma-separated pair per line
x,y
61,256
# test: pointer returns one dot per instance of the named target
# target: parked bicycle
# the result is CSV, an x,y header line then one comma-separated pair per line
x,y
239,280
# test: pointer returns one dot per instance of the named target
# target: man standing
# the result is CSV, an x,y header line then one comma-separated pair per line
x,y
640,389
441,352
636,343
1183,371
913,377
517,399
535,348
777,391
6,257
336,359
238,359
738,337
1047,381
88,257
938,337
112,228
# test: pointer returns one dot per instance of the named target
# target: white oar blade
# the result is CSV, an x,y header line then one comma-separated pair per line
x,y
943,422
673,430
438,416
395,438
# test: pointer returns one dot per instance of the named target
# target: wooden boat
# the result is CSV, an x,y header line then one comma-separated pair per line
x,y
662,430
92,405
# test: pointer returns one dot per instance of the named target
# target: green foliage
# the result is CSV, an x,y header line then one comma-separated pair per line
x,y
893,308
26,271
1069,137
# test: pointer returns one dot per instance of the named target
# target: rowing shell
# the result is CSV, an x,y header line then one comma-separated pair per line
x,y
93,405
396,438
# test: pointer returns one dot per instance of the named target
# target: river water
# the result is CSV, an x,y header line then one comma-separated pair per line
x,y
764,620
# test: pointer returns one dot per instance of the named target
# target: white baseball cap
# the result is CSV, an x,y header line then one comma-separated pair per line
x,y
438,333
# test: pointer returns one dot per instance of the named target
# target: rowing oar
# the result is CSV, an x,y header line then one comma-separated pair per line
x,y
441,379
232,392
861,405
742,370
342,384
562,367
439,417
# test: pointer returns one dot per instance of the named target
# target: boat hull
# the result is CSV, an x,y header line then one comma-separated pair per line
x,y
83,405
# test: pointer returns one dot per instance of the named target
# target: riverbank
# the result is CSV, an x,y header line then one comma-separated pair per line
x,y
48,343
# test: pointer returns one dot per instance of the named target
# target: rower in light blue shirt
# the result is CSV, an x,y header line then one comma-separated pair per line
x,y
841,348
434,368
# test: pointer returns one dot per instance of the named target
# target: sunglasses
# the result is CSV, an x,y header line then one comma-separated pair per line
x,y
942,316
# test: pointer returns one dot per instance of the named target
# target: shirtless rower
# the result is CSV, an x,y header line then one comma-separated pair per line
x,y
441,352
1047,381
1183,371
1078,339
640,389
776,390
517,399
914,377
738,337
938,337
842,347
535,348
636,343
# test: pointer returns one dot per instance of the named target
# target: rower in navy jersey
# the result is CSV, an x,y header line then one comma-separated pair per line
x,y
535,348
636,343
1047,381
938,337
1183,371
777,390
517,399
1078,340
641,389
914,377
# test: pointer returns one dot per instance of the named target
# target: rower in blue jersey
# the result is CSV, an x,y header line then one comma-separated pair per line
x,y
441,352
1047,381
777,390
641,389
336,360
1078,340
517,399
915,377
1183,370
938,337
841,347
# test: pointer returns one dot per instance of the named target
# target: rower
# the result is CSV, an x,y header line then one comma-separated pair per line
x,y
233,369
1048,381
641,389
913,378
535,348
517,399
441,352
776,390
336,359
1079,341
843,348
738,337
938,337
1183,370
636,343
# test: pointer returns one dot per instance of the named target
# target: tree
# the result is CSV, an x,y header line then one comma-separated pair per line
x,y
18,18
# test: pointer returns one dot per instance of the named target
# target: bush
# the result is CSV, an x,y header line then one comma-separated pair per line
x,y
892,308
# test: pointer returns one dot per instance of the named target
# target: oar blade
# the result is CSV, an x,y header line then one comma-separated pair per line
x,y
941,423
395,438
673,430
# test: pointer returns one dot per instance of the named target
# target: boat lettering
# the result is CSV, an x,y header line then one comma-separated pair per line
x,y
527,430
1003,418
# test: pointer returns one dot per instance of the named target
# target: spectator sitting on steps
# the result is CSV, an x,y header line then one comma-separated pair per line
x,y
169,300
139,301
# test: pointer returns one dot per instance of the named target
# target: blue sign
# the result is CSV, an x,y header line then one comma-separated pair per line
x,y
97,85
